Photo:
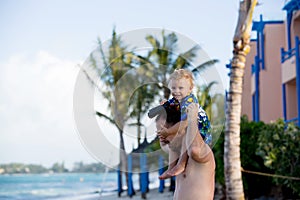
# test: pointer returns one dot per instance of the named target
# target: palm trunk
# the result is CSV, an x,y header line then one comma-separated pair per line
x,y
119,119
232,161
139,131
123,157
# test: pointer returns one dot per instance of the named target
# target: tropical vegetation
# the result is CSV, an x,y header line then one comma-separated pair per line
x,y
265,148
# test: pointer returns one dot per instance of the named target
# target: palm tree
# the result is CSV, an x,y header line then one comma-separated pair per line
x,y
164,60
118,61
232,162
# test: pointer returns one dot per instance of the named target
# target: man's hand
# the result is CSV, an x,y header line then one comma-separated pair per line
x,y
163,132
163,140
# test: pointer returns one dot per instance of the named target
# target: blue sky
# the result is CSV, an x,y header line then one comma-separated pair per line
x,y
43,41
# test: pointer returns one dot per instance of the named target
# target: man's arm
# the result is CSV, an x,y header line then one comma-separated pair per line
x,y
161,122
164,146
196,147
173,130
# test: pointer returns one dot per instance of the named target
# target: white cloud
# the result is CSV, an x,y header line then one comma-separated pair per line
x,y
36,110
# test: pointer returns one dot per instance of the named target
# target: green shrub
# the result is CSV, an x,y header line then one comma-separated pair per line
x,y
279,146
254,185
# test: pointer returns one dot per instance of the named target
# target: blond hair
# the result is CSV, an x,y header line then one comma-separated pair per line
x,y
182,73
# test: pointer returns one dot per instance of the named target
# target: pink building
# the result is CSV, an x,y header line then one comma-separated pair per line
x,y
272,73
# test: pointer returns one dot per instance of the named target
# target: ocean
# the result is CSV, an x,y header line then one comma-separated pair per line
x,y
63,186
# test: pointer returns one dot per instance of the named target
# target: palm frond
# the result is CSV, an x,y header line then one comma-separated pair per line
x,y
153,41
208,87
170,42
136,124
185,58
204,66
191,53
105,117
102,52
99,114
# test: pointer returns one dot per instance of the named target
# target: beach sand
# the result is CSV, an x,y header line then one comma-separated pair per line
x,y
151,195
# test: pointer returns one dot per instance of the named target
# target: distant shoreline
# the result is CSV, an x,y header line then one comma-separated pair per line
x,y
79,167
49,173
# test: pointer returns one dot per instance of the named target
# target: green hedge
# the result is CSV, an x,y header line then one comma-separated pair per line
x,y
269,148
279,146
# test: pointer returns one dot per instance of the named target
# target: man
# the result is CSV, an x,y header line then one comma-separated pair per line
x,y
197,181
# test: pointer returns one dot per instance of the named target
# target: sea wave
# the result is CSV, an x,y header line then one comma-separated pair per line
x,y
63,186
